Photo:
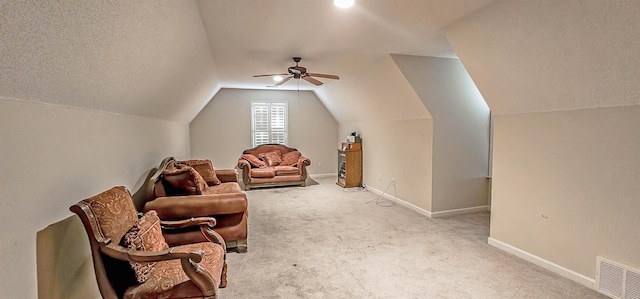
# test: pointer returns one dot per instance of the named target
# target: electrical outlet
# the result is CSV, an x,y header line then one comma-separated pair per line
x,y
393,180
319,163
379,178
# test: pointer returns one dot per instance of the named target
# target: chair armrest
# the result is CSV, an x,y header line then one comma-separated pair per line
x,y
184,207
227,175
205,223
193,221
246,171
303,161
244,164
122,253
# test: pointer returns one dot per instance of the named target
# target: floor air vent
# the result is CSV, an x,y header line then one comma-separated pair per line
x,y
617,280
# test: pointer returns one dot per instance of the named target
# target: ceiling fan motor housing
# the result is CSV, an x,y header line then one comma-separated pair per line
x,y
298,71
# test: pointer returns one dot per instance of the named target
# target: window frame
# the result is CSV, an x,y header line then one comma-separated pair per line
x,y
270,120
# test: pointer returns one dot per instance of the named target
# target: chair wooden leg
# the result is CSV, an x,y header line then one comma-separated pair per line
x,y
223,277
241,246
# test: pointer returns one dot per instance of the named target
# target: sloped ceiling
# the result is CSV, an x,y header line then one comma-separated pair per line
x,y
166,59
256,37
359,98
260,37
546,55
147,58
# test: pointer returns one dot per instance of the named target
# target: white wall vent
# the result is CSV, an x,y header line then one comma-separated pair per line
x,y
617,280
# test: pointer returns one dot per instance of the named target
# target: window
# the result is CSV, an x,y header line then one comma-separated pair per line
x,y
269,123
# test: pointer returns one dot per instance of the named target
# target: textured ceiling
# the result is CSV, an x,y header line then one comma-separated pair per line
x,y
547,55
256,37
147,58
165,59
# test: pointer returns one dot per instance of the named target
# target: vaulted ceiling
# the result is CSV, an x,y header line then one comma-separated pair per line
x,y
166,59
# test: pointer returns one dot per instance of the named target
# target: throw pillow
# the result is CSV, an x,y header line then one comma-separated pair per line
x,y
271,158
205,169
253,160
184,180
290,158
145,235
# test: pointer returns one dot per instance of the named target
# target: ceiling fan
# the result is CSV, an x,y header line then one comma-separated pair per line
x,y
300,72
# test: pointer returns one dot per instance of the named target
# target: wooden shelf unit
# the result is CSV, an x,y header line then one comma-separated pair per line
x,y
350,165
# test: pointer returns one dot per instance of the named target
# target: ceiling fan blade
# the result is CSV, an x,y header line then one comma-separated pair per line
x,y
283,81
324,76
312,80
270,75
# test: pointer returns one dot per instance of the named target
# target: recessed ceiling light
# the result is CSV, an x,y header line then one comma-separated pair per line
x,y
277,78
343,3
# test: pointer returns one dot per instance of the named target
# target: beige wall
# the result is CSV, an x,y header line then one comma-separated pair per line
x,y
460,130
223,129
396,127
53,157
566,185
399,149
564,167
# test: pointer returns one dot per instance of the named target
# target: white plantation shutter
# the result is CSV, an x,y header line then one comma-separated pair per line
x,y
269,123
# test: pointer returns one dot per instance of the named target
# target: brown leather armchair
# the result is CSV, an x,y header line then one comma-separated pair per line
x,y
147,267
176,191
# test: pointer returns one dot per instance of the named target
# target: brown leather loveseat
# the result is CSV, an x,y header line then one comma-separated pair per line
x,y
193,188
273,165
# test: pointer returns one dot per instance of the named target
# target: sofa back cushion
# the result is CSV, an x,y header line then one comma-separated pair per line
x,y
183,180
205,169
253,160
265,148
271,158
290,158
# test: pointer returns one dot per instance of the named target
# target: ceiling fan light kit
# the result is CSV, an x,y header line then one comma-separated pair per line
x,y
299,72
343,3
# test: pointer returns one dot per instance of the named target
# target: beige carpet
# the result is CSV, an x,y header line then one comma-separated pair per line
x,y
322,242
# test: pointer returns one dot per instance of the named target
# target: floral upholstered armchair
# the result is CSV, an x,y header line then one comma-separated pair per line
x,y
132,260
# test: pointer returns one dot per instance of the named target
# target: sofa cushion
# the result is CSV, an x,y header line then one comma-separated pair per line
x,y
287,170
205,169
183,180
290,158
267,172
272,158
223,188
145,235
253,160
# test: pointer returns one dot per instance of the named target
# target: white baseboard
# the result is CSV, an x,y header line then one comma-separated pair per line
x,y
460,211
551,266
324,175
400,201
429,213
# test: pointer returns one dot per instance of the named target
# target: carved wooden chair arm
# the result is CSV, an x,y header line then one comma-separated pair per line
x,y
172,253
